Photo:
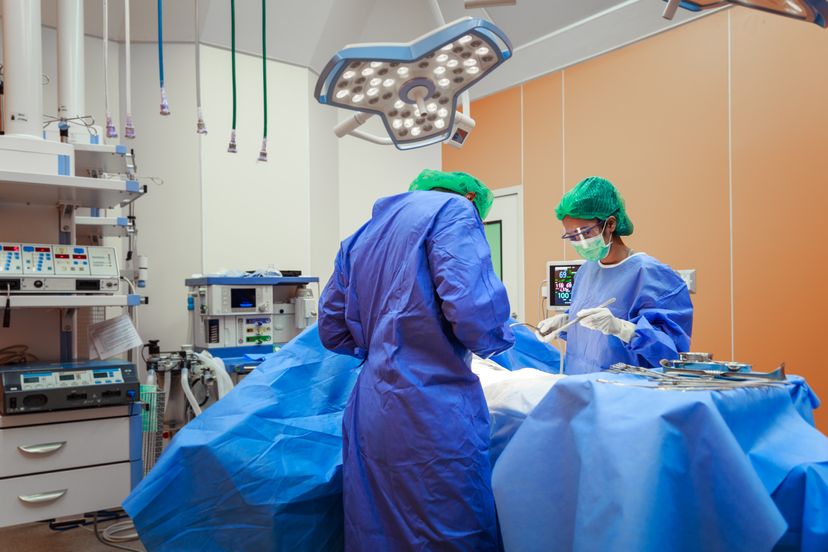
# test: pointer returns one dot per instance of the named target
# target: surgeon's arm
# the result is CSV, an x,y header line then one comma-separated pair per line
x,y
474,300
333,330
663,329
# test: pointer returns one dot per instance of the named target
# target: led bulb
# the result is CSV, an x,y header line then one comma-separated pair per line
x,y
397,123
443,112
432,107
465,39
447,47
376,64
439,70
388,83
482,51
399,104
473,70
470,62
415,131
452,63
442,58
373,92
367,72
341,94
409,123
443,82
357,98
439,123
402,71
376,82
348,74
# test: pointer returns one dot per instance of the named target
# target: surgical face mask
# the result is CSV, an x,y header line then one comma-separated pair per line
x,y
593,249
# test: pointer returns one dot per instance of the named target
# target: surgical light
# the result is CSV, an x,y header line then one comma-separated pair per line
x,y
811,11
422,81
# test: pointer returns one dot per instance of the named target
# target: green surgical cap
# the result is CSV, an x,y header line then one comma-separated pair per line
x,y
595,198
459,182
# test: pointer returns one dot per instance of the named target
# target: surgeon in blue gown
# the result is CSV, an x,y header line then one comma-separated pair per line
x,y
414,294
652,316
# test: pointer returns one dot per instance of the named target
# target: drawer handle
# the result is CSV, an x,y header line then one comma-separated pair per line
x,y
45,448
40,498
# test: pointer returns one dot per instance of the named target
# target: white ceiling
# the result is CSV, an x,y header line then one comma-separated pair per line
x,y
547,34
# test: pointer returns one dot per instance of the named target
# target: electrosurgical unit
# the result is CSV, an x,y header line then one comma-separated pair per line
x,y
58,269
46,387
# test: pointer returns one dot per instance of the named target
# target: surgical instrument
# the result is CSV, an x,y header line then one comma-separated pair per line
x,y
555,333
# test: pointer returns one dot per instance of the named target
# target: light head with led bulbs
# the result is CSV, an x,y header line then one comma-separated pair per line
x,y
414,88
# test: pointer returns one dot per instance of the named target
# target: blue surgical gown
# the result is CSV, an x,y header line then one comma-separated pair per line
x,y
649,294
414,293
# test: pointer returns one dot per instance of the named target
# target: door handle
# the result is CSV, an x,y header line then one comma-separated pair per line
x,y
40,498
44,448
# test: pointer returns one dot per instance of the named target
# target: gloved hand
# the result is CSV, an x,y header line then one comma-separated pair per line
x,y
549,325
602,320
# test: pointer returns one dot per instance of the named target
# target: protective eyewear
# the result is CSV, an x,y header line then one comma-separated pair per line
x,y
583,232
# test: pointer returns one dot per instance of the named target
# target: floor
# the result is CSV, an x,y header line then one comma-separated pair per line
x,y
37,537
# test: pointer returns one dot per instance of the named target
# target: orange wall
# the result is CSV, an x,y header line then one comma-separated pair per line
x,y
655,118
495,146
780,195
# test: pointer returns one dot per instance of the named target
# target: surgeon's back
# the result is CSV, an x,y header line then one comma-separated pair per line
x,y
413,292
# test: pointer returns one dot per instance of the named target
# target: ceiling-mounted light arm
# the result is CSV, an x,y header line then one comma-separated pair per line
x,y
810,11
437,13
352,123
349,127
488,3
670,9
379,140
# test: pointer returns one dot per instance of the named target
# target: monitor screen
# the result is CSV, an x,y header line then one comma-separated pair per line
x,y
243,298
561,281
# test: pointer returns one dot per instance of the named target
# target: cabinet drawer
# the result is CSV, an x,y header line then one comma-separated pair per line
x,y
35,449
49,495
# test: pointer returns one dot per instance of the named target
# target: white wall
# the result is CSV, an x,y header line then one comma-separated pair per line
x,y
324,186
368,172
169,216
257,213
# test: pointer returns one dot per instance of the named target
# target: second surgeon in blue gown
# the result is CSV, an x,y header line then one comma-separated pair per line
x,y
652,316
414,294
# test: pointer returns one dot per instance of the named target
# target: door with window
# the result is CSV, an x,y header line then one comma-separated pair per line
x,y
504,231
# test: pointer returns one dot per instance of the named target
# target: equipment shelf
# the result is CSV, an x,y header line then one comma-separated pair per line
x,y
48,189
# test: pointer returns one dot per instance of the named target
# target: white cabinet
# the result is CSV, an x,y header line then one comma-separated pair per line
x,y
37,449
65,463
54,494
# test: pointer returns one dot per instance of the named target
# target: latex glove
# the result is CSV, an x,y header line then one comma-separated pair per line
x,y
602,320
550,325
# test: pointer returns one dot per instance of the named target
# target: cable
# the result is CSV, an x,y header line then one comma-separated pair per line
x,y
7,308
540,297
165,106
263,151
201,128
231,147
16,354
111,131
129,128
113,545
123,531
